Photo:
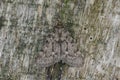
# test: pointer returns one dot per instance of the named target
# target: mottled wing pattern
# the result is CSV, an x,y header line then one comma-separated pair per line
x,y
71,54
59,45
50,53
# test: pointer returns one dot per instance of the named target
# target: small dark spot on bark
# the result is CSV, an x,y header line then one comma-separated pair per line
x,y
91,38
85,28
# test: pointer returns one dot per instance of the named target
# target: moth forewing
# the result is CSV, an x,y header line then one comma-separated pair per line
x,y
50,53
71,53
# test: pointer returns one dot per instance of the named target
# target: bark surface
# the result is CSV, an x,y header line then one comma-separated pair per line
x,y
94,23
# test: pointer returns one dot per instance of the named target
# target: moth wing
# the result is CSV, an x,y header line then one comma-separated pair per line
x,y
71,55
50,53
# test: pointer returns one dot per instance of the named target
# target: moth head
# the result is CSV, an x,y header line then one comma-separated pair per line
x,y
58,24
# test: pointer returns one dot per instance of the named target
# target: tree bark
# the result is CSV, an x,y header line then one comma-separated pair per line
x,y
94,23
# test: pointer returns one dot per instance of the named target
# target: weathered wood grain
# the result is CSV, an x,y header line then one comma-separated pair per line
x,y
94,23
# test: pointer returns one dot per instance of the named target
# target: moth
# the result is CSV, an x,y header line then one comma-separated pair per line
x,y
60,45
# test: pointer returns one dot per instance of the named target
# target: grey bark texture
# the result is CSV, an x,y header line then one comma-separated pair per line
x,y
95,24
